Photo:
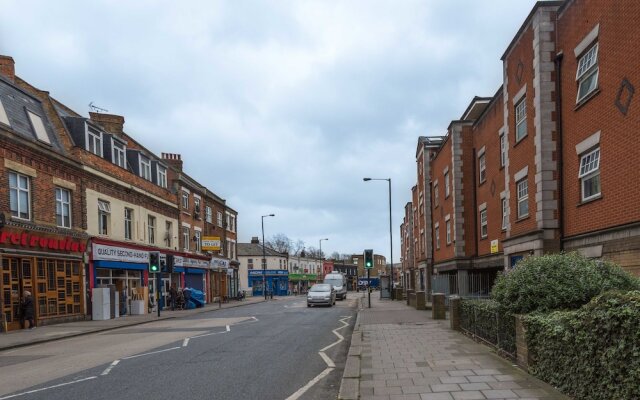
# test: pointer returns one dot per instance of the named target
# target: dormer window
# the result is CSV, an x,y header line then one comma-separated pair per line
x,y
94,141
162,176
118,153
145,167
38,127
3,115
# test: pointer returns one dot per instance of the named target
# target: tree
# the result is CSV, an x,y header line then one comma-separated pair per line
x,y
280,243
335,256
297,247
312,252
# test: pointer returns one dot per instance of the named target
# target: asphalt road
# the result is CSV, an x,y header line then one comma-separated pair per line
x,y
275,350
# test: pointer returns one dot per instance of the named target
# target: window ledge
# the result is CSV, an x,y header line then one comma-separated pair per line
x,y
591,200
484,238
482,182
521,140
526,217
586,99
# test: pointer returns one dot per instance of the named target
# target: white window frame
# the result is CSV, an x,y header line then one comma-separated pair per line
x,y
482,167
151,228
185,200
4,118
505,216
20,190
198,236
94,142
522,189
589,171
104,216
145,167
447,187
196,205
521,119
587,68
162,176
208,214
38,127
503,150
250,263
448,223
484,227
231,223
118,153
186,233
220,219
63,207
128,223
437,236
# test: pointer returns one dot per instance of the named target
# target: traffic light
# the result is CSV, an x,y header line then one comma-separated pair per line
x,y
154,262
368,259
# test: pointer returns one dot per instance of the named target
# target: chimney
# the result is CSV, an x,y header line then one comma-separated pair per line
x,y
175,160
110,122
8,67
255,240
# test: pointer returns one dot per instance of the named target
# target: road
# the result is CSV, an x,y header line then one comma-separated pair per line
x,y
275,350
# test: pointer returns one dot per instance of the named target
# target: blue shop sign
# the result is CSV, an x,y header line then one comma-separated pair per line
x,y
259,272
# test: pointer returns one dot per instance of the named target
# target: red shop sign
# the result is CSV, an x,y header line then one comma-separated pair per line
x,y
24,239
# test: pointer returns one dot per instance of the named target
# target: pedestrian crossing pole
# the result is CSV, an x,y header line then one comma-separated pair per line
x,y
369,285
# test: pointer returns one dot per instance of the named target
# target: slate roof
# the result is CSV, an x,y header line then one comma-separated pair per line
x,y
255,249
16,102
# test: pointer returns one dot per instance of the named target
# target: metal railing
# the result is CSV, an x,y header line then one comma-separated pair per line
x,y
467,285
489,325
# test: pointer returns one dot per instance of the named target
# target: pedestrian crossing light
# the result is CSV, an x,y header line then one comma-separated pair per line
x,y
368,259
154,262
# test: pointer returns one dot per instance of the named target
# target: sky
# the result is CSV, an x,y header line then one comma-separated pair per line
x,y
280,107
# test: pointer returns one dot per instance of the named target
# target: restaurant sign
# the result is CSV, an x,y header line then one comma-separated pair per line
x,y
39,242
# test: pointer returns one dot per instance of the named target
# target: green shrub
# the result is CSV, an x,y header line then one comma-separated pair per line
x,y
592,353
557,282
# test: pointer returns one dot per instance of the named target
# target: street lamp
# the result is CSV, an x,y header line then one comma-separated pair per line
x,y
264,259
321,266
390,228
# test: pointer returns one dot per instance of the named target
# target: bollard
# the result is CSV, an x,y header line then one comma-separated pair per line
x,y
421,301
438,311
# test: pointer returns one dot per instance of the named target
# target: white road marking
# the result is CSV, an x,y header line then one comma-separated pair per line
x,y
306,387
47,388
185,342
110,367
228,328
148,354
330,364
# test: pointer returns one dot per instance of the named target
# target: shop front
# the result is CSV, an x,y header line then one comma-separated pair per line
x,y
218,279
300,283
194,273
50,267
276,280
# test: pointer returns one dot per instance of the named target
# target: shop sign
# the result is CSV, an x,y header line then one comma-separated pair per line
x,y
219,263
268,272
211,243
303,277
41,242
494,246
123,254
193,262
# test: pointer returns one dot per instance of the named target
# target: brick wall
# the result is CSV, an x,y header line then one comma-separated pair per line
x,y
442,161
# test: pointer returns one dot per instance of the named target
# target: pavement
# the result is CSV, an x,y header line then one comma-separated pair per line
x,y
400,353
48,333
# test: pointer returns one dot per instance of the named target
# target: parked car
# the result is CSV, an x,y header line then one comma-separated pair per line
x,y
321,294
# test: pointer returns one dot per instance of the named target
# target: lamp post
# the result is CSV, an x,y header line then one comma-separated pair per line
x,y
264,259
390,229
321,265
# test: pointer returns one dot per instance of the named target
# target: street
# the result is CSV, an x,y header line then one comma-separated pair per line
x,y
275,350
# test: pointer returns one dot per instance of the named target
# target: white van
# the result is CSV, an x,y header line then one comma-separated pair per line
x,y
339,282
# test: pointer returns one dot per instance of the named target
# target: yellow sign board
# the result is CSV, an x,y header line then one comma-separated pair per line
x,y
211,243
494,246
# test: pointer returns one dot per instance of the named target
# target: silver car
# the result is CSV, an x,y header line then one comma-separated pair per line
x,y
321,294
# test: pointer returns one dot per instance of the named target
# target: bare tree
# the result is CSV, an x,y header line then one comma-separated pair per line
x,y
280,243
312,252
335,256
297,247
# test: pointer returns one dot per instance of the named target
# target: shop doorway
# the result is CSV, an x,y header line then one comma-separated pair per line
x,y
17,278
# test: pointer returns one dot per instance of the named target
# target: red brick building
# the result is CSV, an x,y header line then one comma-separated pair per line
x,y
550,162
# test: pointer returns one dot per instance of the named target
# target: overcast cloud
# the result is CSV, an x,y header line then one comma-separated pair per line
x,y
281,106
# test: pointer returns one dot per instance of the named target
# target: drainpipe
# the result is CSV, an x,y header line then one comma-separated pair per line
x,y
475,205
558,62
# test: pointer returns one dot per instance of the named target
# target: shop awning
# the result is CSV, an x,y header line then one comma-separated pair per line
x,y
119,265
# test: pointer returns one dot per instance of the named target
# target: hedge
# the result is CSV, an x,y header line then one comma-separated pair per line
x,y
558,282
592,353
